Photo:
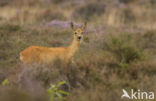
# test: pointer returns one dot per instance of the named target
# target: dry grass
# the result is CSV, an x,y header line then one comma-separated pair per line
x,y
118,51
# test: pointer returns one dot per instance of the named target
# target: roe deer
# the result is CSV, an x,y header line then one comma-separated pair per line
x,y
47,55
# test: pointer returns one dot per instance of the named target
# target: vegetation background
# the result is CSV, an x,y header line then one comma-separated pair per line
x,y
119,48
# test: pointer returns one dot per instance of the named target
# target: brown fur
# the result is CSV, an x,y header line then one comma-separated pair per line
x,y
40,55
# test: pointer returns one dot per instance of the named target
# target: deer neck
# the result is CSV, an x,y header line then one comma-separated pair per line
x,y
73,48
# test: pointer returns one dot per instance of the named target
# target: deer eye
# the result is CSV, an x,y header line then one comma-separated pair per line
x,y
75,32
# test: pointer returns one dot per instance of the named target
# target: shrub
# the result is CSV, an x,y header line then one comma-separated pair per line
x,y
129,16
89,10
55,91
4,2
153,2
48,15
124,48
148,39
5,82
57,1
126,1
10,27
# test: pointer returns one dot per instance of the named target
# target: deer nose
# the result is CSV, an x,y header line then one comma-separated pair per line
x,y
79,37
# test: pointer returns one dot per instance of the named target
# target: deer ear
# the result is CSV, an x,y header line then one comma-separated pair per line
x,y
72,25
84,26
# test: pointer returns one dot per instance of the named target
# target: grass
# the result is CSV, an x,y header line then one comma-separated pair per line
x,y
118,50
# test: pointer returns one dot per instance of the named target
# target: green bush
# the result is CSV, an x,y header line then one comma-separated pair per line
x,y
55,91
4,82
124,48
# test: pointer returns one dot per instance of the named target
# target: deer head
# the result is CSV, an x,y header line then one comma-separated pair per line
x,y
78,32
